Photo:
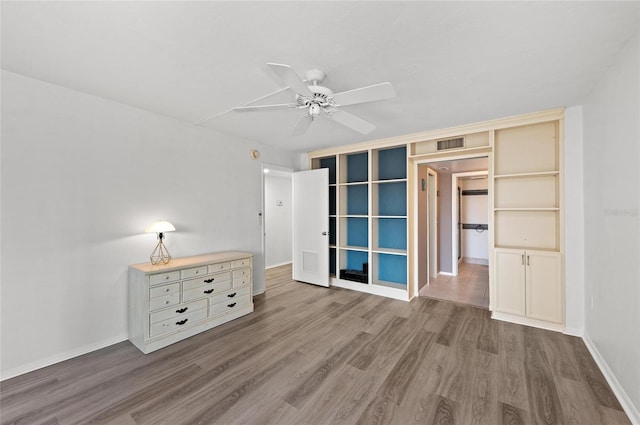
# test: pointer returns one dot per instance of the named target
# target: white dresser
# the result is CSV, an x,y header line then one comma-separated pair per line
x,y
171,302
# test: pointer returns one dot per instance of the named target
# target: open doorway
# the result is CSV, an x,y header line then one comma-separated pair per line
x,y
278,229
461,239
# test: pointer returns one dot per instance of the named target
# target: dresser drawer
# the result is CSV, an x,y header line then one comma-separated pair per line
x,y
239,274
230,296
177,311
164,301
218,267
241,281
196,271
229,305
177,323
155,279
158,291
245,262
205,291
206,280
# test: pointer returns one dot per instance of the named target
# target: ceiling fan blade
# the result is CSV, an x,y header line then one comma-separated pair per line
x,y
303,123
290,78
365,94
353,122
265,107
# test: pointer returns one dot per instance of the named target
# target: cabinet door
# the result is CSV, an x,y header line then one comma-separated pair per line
x,y
510,281
544,286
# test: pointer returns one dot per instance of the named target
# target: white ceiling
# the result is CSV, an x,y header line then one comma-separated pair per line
x,y
451,62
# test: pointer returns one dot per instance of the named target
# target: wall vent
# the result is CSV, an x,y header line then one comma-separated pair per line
x,y
450,144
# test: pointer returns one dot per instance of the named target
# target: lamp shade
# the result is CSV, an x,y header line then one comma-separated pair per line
x,y
160,226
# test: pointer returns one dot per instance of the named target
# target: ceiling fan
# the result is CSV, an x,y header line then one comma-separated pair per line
x,y
315,99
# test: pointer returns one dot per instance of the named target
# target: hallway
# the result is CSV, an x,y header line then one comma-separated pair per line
x,y
470,287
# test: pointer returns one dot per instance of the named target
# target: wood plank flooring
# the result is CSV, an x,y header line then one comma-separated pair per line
x,y
471,286
312,355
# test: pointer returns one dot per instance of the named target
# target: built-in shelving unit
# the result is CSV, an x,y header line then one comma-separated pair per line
x,y
368,219
527,223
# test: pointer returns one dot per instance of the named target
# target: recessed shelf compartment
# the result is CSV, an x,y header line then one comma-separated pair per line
x,y
534,191
354,168
526,229
389,198
354,199
354,232
391,164
354,261
389,270
390,234
527,149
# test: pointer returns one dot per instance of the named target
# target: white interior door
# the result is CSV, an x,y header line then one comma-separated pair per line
x,y
311,226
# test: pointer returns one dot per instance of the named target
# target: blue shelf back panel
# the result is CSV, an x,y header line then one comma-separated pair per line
x,y
357,200
392,198
330,163
392,268
332,260
392,233
332,230
357,232
332,200
357,167
392,163
355,259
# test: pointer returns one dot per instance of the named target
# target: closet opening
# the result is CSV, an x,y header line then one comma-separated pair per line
x,y
453,211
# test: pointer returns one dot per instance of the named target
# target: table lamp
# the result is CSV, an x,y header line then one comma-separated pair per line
x,y
160,254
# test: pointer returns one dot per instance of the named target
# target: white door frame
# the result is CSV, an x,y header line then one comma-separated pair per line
x,y
454,215
416,187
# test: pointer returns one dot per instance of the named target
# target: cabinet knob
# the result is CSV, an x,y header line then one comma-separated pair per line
x,y
209,280
208,291
166,302
232,295
182,310
231,305
182,322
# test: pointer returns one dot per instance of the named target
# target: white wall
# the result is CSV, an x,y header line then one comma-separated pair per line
x,y
81,179
278,220
444,206
612,231
573,222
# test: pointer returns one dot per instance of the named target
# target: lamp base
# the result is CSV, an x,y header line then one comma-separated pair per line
x,y
160,254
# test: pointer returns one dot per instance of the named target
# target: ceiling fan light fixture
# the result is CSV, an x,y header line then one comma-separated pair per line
x,y
314,110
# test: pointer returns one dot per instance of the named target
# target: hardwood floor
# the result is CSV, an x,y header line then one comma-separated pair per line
x,y
312,355
471,286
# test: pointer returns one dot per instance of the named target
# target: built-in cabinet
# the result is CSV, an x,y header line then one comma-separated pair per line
x,y
368,220
527,222
372,212
528,283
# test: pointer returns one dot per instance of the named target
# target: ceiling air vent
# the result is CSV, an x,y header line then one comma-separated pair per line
x,y
451,144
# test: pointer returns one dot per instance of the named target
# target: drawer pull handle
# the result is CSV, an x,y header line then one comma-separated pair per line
x,y
231,305
182,310
209,280
232,295
182,322
208,291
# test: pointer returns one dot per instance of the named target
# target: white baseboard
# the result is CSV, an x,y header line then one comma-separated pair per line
x,y
277,265
627,404
579,332
446,273
60,357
